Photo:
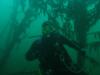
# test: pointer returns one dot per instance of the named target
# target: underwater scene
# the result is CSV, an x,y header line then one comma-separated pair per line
x,y
49,37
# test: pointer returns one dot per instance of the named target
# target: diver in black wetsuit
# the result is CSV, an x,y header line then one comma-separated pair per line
x,y
50,52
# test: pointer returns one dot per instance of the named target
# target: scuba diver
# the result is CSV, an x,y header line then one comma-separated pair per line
x,y
50,51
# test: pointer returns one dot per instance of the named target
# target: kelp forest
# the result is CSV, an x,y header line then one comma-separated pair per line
x,y
77,20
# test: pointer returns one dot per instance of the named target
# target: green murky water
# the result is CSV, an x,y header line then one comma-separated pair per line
x,y
21,24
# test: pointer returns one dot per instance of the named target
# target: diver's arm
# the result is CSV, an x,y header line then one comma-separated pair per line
x,y
32,53
81,54
68,42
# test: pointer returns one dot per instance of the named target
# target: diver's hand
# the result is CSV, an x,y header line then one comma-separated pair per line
x,y
82,53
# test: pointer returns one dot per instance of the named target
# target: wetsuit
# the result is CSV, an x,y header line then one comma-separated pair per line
x,y
48,50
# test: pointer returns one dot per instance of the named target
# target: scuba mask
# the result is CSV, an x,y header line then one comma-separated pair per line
x,y
48,29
